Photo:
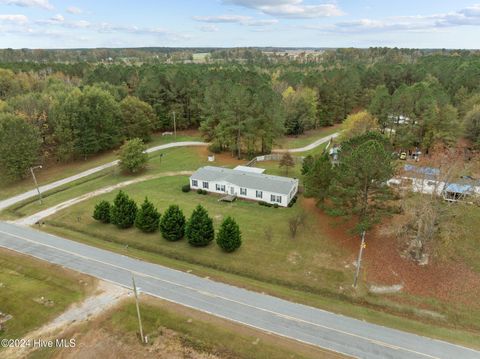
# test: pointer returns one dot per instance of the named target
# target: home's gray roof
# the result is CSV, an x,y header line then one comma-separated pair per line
x,y
256,181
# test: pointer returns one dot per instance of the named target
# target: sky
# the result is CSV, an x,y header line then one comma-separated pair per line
x,y
239,23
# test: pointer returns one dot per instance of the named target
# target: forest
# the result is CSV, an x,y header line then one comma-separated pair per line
x,y
60,108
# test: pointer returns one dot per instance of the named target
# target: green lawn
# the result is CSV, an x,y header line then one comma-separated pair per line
x,y
24,280
58,171
307,138
306,260
174,159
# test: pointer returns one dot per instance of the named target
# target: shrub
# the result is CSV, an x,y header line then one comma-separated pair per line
x,y
215,147
266,204
102,212
275,205
229,237
202,191
186,188
123,211
148,218
199,229
132,156
172,224
293,201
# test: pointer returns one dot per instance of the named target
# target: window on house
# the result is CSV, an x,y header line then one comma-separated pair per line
x,y
217,187
259,194
194,183
222,188
243,191
272,198
205,185
279,199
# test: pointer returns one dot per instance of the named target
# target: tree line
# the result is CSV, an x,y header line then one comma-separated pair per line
x,y
60,112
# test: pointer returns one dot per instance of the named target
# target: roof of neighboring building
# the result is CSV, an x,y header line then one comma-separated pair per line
x,y
426,172
249,169
257,181
461,188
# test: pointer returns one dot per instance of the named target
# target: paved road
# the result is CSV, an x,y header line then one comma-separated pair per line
x,y
29,194
310,325
308,147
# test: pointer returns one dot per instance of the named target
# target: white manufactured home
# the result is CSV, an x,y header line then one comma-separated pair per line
x,y
245,182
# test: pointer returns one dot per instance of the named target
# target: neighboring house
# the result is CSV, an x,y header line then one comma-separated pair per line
x,y
245,182
426,180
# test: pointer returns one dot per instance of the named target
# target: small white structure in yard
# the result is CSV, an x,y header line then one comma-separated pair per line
x,y
245,183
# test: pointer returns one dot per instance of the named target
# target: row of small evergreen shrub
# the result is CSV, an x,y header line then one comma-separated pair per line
x,y
173,225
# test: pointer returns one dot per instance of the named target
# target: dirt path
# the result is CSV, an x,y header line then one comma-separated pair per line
x,y
106,296
34,218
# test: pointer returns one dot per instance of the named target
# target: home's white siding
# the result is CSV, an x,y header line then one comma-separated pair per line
x,y
251,193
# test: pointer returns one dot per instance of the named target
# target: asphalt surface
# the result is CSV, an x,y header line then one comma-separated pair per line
x,y
306,324
44,188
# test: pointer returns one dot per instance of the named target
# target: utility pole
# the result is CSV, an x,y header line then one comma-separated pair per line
x,y
359,260
174,126
138,310
36,183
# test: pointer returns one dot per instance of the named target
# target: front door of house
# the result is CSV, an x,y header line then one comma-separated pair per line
x,y
232,190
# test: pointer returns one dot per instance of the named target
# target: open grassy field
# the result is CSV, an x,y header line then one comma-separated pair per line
x,y
307,260
174,159
174,331
24,281
53,172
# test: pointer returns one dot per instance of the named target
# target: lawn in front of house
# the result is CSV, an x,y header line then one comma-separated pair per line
x,y
306,260
34,292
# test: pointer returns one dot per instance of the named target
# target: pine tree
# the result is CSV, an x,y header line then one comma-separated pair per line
x,y
229,237
123,211
148,218
102,212
199,230
172,224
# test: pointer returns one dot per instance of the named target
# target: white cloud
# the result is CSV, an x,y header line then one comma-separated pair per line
x,y
235,19
74,10
295,9
44,4
209,28
14,19
425,23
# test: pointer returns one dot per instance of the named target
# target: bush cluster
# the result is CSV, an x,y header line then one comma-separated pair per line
x,y
201,191
186,188
173,225
266,204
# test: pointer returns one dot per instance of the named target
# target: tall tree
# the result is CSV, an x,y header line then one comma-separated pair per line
x,y
359,182
19,146
132,156
138,118
172,224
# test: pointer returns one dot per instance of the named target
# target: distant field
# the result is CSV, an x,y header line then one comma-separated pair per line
x,y
24,281
58,171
